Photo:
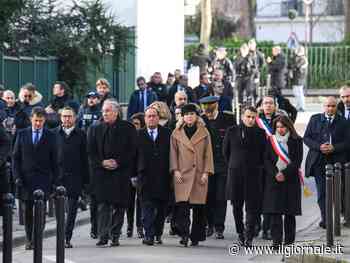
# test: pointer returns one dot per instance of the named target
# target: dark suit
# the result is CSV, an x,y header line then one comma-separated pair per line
x,y
136,103
35,167
73,154
243,149
154,179
318,131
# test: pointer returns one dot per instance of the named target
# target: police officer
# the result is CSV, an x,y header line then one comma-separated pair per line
x,y
217,123
223,63
90,112
243,67
257,59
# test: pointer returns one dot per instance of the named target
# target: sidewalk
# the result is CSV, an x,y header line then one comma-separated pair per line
x,y
19,237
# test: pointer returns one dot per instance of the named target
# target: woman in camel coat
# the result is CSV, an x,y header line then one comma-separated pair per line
x,y
191,162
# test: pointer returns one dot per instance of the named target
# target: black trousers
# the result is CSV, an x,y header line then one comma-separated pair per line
x,y
244,88
153,217
183,221
251,219
278,224
29,218
110,220
130,212
72,209
93,215
216,204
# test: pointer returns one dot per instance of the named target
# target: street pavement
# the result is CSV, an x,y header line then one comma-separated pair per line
x,y
212,250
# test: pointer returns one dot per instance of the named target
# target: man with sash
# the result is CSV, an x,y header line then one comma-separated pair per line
x,y
264,120
217,123
243,149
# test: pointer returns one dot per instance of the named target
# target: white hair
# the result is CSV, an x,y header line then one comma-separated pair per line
x,y
114,103
9,92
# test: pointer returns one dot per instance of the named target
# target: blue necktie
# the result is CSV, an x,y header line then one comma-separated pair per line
x,y
152,135
36,137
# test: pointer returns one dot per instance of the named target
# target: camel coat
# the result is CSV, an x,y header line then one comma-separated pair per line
x,y
192,158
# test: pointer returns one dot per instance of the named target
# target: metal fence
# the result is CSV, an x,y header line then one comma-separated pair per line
x,y
41,71
329,66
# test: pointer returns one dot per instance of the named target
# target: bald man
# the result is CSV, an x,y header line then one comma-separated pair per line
x,y
327,136
344,104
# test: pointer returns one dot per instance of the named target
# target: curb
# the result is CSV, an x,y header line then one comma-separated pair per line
x,y
21,240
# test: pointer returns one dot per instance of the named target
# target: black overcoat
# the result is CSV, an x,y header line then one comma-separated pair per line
x,y
5,146
283,197
72,151
243,149
153,165
116,141
37,166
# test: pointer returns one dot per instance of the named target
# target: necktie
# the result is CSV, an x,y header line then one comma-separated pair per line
x,y
152,135
142,107
36,137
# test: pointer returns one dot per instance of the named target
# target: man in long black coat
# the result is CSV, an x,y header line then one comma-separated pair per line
x,y
112,150
35,165
5,147
75,167
217,123
153,175
277,66
327,136
243,149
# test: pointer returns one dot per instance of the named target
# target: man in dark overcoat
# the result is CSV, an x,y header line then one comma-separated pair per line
x,y
277,66
112,150
75,167
217,123
243,149
327,136
153,175
35,165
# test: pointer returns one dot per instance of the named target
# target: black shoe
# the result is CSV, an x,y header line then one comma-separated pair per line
x,y
184,241
68,244
115,242
140,233
148,241
194,243
241,240
102,243
275,247
29,246
129,232
159,240
210,231
93,235
322,224
266,235
219,235
248,243
172,231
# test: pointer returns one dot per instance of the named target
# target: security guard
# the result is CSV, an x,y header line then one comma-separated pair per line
x,y
217,123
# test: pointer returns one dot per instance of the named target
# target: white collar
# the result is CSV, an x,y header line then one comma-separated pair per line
x,y
68,131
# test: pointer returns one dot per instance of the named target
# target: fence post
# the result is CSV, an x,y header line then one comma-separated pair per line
x,y
337,198
39,217
60,211
347,196
329,207
7,228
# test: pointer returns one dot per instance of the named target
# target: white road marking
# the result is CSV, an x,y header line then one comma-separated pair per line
x,y
53,259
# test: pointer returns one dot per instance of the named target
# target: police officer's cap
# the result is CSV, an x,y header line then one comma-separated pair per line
x,y
209,99
93,94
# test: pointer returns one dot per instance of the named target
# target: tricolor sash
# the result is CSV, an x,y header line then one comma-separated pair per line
x,y
264,125
279,150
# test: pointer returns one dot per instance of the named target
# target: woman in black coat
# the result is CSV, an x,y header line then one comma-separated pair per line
x,y
282,196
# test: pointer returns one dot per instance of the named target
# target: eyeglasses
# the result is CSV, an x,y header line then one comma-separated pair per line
x,y
27,96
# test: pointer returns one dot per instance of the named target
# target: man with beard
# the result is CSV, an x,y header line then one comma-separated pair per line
x,y
112,152
217,123
243,149
90,111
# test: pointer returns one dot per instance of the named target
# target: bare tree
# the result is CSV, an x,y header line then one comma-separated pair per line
x,y
206,22
347,17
